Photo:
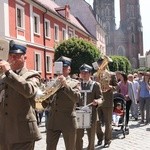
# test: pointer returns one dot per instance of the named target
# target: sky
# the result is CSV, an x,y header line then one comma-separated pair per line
x,y
145,17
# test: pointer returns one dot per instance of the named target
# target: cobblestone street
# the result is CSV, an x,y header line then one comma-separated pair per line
x,y
137,139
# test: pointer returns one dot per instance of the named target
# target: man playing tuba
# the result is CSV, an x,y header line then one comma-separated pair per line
x,y
108,83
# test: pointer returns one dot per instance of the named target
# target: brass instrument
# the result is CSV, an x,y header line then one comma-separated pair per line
x,y
103,74
4,50
45,92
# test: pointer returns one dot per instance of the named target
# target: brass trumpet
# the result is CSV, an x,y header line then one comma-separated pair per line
x,y
45,92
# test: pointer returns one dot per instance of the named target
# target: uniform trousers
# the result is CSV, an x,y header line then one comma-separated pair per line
x,y
91,137
105,113
68,135
18,146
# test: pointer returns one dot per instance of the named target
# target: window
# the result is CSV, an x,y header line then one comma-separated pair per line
x,y
56,32
107,11
48,64
70,34
36,24
121,51
64,34
47,28
133,38
37,62
20,16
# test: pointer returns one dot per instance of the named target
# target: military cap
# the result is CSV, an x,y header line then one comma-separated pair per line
x,y
17,48
85,68
65,60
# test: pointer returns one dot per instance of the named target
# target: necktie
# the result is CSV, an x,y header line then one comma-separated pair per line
x,y
84,85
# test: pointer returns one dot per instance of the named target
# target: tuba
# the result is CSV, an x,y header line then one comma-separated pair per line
x,y
103,75
4,50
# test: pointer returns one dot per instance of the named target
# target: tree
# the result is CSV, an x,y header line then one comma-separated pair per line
x,y
120,63
79,50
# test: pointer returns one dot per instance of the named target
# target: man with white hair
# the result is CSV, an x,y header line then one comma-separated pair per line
x,y
134,105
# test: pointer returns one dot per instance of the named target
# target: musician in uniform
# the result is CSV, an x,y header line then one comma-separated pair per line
x,y
62,116
93,99
108,83
18,124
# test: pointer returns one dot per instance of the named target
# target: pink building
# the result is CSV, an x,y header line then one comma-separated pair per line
x,y
42,25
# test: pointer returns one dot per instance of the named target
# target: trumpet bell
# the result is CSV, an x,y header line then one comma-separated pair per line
x,y
4,51
45,92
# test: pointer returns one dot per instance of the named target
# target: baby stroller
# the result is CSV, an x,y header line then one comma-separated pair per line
x,y
119,98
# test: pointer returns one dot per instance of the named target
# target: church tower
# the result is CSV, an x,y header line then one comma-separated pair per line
x,y
106,12
131,26
127,40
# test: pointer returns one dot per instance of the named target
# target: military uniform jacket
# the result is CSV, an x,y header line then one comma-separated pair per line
x,y
94,94
17,117
62,114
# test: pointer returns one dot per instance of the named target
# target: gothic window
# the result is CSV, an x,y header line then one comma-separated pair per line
x,y
107,11
107,26
132,27
132,11
121,51
133,38
127,10
107,40
102,11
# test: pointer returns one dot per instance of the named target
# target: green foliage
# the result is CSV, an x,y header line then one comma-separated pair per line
x,y
143,69
79,50
120,63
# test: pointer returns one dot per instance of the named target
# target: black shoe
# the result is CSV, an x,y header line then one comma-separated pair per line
x,y
99,143
106,145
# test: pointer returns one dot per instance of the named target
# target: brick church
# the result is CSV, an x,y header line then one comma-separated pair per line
x,y
127,40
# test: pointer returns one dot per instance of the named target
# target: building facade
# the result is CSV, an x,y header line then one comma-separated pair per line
x,y
84,12
41,25
127,40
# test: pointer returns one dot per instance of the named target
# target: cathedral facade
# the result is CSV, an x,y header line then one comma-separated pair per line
x,y
127,40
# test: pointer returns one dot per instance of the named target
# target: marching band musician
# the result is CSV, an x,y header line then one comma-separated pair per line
x,y
108,84
18,125
62,116
94,97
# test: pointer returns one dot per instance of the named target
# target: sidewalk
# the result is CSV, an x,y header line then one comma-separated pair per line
x,y
138,139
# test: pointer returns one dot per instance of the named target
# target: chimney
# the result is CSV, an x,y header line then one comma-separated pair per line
x,y
67,11
64,11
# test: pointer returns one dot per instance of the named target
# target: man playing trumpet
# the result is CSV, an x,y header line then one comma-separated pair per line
x,y
62,116
18,125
